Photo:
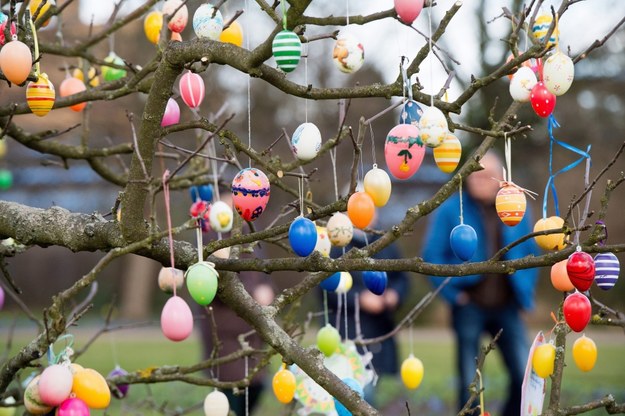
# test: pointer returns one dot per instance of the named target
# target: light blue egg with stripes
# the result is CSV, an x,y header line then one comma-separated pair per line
x,y
607,269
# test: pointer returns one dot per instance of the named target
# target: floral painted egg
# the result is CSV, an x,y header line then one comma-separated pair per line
x,y
550,241
205,25
323,245
558,73
448,154
377,184
177,21
328,340
541,27
607,269
375,281
411,113
71,86
202,280
585,353
287,50
346,282
33,6
191,89
32,399
360,209
331,283
522,83
172,113
510,204
40,95
581,270
152,25
216,404
221,217
72,407
353,384
543,102
110,73
250,193
543,360
302,236
408,10
89,386
283,384
412,372
463,241
433,127
403,151
176,319
92,76
122,389
306,141
577,311
340,229
348,53
55,384
16,61
232,34
560,278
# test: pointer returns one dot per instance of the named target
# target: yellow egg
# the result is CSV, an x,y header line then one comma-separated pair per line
x,y
543,360
378,185
551,241
152,26
34,5
585,353
510,204
94,81
91,387
232,34
448,154
412,372
283,384
3,147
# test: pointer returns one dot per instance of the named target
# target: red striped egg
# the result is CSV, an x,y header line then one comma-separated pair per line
x,y
510,204
40,95
192,89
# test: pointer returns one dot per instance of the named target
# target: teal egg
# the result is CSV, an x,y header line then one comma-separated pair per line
x,y
287,50
202,282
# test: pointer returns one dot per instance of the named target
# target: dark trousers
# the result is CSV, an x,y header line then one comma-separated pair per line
x,y
237,402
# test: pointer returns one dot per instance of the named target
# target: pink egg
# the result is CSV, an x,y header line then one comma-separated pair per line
x,y
403,151
176,319
178,21
250,193
72,407
2,26
55,384
408,10
191,89
16,61
172,113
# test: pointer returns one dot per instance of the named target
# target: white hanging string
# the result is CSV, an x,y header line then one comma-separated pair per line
x,y
300,186
200,244
460,191
375,164
336,186
507,171
339,308
306,45
430,57
346,327
347,11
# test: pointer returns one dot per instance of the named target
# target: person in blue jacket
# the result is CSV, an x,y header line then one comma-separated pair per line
x,y
485,303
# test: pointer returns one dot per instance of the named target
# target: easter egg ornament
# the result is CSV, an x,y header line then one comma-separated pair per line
x,y
202,279
216,404
178,15
522,83
560,278
581,270
323,245
302,236
113,73
375,281
340,229
71,86
221,217
408,10
541,27
176,319
207,22
16,61
354,385
232,34
201,193
72,407
360,209
283,385
191,89
550,241
377,184
90,387
348,53
34,5
40,95
287,50
577,311
403,151
448,154
411,113
543,102
92,76
346,282
463,241
412,372
55,384
32,399
607,269
433,127
585,353
510,204
152,25
250,193
331,283
328,340
306,141
558,73
122,389
6,179
543,360
172,113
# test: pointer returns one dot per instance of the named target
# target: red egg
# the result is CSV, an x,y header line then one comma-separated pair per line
x,y
577,311
71,86
250,193
178,15
191,89
543,102
408,10
2,27
581,270
16,61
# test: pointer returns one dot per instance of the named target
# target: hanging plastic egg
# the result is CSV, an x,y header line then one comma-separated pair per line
x,y
1,297
331,283
558,73
72,407
216,404
306,141
250,193
179,15
283,384
32,399
448,154
577,311
607,269
433,127
345,283
34,5
412,372
3,148
287,50
510,204
201,192
110,73
6,179
375,281
340,229
524,64
463,241
172,113
354,385
221,217
191,89
202,281
581,270
152,26
16,61
3,27
541,27
348,53
360,209
522,83
403,151
71,86
323,245
543,360
122,389
90,387
408,10
543,102
411,113
200,210
585,353
176,319
205,25
232,34
92,76
560,278
550,241
328,340
55,384
303,236
377,184
40,95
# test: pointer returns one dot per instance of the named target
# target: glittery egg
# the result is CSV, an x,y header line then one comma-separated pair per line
x,y
433,127
558,73
16,61
607,269
541,27
377,184
408,10
448,154
403,151
521,84
250,193
178,21
510,204
191,89
340,230
152,25
110,73
306,141
40,95
232,34
71,86
411,113
221,217
323,244
205,25
287,50
348,53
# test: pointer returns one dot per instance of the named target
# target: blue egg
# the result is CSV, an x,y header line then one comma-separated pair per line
x,y
411,113
202,192
463,240
354,385
375,281
331,283
607,269
303,236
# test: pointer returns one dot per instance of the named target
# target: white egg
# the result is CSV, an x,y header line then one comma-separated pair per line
x,y
348,53
205,25
521,84
433,127
323,244
216,404
558,73
306,141
221,217
340,229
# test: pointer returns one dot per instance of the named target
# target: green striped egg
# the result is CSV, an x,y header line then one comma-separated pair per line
x,y
287,49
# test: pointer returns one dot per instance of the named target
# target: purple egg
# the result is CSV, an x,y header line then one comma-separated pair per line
x,y
1,297
122,388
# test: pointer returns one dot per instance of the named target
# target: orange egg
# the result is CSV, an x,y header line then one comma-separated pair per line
x,y
175,36
360,209
16,61
560,278
71,86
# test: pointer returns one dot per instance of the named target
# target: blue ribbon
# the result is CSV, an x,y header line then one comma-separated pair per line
x,y
65,353
551,186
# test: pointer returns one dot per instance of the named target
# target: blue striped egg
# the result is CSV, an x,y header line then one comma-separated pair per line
x,y
607,269
287,49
